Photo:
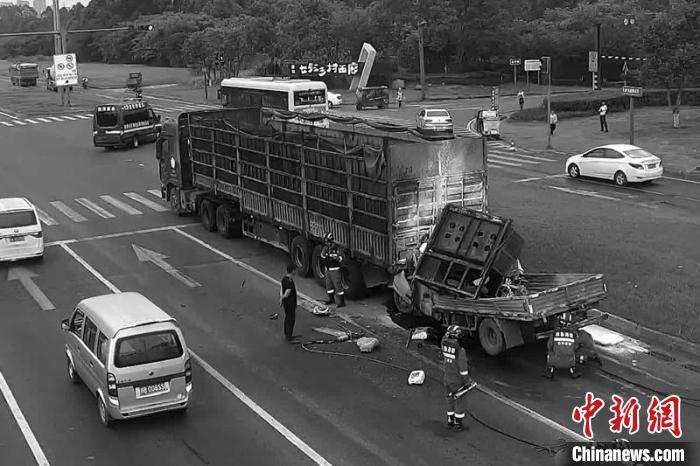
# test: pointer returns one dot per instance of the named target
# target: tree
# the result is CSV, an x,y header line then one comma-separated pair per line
x,y
673,45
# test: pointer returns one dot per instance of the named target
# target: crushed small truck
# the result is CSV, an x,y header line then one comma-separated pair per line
x,y
469,275
287,179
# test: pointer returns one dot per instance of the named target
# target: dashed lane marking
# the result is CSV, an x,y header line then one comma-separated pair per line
x,y
529,157
68,212
121,205
498,157
6,123
88,204
68,117
525,180
83,117
497,162
147,202
44,120
31,121
17,122
54,118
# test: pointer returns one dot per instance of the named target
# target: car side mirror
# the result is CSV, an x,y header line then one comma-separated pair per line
x,y
65,325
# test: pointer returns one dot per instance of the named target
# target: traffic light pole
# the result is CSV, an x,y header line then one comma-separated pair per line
x,y
549,100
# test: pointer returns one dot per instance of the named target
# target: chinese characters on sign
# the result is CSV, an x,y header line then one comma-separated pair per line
x,y
314,69
662,415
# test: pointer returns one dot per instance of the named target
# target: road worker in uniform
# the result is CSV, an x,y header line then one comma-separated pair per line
x,y
585,348
561,351
332,261
456,376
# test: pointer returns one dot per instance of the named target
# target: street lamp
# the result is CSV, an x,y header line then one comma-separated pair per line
x,y
421,25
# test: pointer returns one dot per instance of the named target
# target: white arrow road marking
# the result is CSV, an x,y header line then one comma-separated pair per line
x,y
146,255
25,276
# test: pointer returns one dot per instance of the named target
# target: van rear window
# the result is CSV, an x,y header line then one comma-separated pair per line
x,y
107,119
16,219
147,348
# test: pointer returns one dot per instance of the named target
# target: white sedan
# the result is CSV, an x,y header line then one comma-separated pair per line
x,y
622,163
334,99
434,119
21,235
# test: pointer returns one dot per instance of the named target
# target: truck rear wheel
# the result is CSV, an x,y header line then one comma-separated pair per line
x,y
354,280
207,215
316,267
227,222
491,337
300,253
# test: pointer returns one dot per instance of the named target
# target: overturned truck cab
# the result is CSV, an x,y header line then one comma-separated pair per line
x,y
469,275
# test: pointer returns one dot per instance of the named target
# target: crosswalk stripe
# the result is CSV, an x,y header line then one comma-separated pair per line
x,y
83,117
31,121
45,218
6,123
54,118
502,158
523,156
501,162
68,117
147,202
155,192
121,205
89,115
88,204
67,211
17,122
44,120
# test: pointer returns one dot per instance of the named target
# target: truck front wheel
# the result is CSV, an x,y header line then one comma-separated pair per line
x,y
207,215
300,252
227,222
355,287
491,337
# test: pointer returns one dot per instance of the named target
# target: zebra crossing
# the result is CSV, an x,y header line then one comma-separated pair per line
x,y
82,209
35,120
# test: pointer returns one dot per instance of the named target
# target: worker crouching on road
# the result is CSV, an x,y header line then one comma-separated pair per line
x,y
585,348
561,352
332,261
456,376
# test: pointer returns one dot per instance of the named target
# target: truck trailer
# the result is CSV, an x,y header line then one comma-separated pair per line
x,y
24,74
470,275
270,176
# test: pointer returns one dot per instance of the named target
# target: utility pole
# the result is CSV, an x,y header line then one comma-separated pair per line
x,y
422,59
598,48
548,60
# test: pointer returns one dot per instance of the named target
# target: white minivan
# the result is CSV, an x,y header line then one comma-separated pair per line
x,y
20,230
131,355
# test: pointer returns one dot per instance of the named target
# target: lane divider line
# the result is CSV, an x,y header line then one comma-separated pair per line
x,y
525,180
216,375
117,235
29,437
513,404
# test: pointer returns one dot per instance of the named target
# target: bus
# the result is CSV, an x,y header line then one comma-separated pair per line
x,y
294,95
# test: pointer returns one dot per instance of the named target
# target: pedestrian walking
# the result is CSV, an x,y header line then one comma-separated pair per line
x,y
521,98
399,97
552,122
603,112
456,376
288,301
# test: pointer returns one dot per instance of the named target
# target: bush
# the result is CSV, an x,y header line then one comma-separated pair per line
x,y
589,102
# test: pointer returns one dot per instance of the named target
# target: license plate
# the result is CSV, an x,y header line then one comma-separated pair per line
x,y
16,239
650,166
151,390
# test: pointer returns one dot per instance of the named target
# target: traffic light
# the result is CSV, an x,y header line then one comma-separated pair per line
x,y
545,65
595,81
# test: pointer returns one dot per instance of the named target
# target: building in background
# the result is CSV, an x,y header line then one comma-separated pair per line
x,y
39,6
23,3
6,3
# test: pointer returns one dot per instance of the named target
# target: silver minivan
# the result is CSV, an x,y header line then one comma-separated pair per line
x,y
130,354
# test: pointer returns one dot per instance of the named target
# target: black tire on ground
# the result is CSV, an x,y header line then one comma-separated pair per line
x,y
72,375
300,251
574,171
354,280
207,215
105,418
491,337
316,269
620,178
228,223
174,200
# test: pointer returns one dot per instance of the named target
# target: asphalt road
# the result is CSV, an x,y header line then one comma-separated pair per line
x,y
347,411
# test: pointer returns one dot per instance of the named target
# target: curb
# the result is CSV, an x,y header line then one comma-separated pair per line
x,y
488,96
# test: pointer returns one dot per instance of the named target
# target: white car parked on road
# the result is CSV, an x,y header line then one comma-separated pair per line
x,y
434,119
622,163
20,230
334,99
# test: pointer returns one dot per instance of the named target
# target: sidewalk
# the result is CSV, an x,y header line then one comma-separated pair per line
x,y
678,148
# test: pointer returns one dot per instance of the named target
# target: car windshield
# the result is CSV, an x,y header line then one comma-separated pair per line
x,y
437,113
18,218
638,154
147,348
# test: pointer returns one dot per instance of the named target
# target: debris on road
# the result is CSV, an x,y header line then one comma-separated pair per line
x,y
367,344
274,316
416,378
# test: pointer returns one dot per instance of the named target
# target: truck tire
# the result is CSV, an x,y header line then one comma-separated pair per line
x,y
207,215
355,287
300,251
316,268
227,222
174,200
491,337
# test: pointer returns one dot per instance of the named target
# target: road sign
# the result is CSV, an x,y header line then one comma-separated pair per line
x,y
533,65
632,91
515,62
625,68
593,61
494,98
66,67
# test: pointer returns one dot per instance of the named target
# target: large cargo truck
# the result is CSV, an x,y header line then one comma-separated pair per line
x,y
24,74
269,176
469,275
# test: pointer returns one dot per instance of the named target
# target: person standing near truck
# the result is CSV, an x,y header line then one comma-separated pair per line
x,y
332,261
288,301
456,376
